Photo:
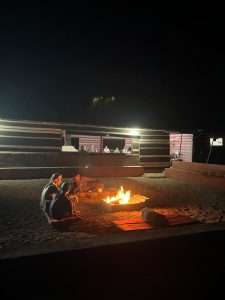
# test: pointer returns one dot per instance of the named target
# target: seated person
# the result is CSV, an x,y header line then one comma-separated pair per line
x,y
83,149
49,191
61,207
83,184
129,150
106,150
124,150
75,184
92,149
117,150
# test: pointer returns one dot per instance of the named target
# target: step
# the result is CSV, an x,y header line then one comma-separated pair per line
x,y
195,178
46,172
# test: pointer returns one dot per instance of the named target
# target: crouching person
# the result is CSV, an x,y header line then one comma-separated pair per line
x,y
61,207
49,192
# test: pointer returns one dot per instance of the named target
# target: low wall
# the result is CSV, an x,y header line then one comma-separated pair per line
x,y
209,175
65,159
127,267
23,165
67,172
192,166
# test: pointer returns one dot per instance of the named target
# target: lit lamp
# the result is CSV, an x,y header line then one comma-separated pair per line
x,y
135,132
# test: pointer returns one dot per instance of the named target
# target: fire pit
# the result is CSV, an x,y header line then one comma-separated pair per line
x,y
123,201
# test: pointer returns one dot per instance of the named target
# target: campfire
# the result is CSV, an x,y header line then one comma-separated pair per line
x,y
121,197
123,201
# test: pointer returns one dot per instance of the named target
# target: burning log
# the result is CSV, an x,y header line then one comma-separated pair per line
x,y
123,201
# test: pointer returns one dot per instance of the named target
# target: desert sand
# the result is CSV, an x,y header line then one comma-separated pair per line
x,y
23,223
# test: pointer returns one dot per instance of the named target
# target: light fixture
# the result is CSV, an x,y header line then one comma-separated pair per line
x,y
135,131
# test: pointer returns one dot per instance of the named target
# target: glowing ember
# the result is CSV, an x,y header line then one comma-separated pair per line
x,y
120,198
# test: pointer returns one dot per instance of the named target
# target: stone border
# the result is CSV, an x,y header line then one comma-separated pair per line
x,y
107,240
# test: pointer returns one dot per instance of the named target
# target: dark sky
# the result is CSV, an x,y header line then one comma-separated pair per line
x,y
164,64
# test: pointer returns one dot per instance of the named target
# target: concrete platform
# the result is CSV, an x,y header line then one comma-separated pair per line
x,y
46,172
197,173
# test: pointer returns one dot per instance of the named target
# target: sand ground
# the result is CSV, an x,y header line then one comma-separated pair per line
x,y
23,224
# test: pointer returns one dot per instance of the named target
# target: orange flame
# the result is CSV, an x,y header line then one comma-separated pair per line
x,y
121,197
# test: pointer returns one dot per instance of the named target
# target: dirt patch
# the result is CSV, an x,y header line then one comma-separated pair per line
x,y
23,223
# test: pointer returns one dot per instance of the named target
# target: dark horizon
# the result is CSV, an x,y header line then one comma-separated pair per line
x,y
149,68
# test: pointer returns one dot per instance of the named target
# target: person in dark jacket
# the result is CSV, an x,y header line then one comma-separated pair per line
x,y
61,207
49,191
83,184
75,184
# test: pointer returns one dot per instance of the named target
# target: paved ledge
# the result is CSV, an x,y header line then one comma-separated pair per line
x,y
193,177
209,175
196,167
113,239
46,172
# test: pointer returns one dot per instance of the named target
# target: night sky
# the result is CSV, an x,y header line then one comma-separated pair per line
x,y
113,64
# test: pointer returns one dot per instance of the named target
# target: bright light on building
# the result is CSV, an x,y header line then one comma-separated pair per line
x,y
216,142
135,131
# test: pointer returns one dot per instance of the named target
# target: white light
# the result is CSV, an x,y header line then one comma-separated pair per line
x,y
135,132
217,142
86,167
